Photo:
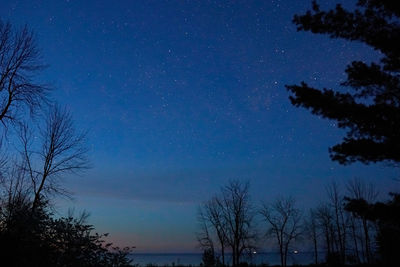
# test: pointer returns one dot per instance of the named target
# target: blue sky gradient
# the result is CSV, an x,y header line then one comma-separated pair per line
x,y
181,96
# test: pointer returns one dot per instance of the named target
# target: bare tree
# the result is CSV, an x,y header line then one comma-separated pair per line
x,y
61,150
20,61
340,222
311,227
355,236
359,189
204,237
239,218
230,216
284,221
326,222
215,214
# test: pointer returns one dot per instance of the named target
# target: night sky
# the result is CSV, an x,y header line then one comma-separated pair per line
x,y
179,97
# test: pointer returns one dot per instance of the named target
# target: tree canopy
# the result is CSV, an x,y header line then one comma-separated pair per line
x,y
31,233
370,109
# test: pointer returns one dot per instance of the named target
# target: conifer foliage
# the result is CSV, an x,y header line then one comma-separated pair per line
x,y
370,109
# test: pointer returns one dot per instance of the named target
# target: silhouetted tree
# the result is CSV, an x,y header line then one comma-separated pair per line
x,y
62,150
284,221
203,236
20,61
387,217
335,200
211,218
238,215
35,238
370,109
230,216
311,229
325,219
77,245
358,189
30,234
208,257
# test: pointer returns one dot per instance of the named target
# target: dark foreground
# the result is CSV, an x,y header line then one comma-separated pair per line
x,y
267,265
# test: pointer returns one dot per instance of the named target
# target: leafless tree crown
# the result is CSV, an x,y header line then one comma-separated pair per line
x,y
20,62
61,150
228,219
284,221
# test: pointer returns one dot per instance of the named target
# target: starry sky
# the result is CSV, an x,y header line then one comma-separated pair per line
x,y
179,97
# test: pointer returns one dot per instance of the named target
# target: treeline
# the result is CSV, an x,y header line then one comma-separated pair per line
x,y
349,227
39,145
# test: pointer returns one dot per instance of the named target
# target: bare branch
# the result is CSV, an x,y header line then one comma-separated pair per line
x,y
284,221
62,150
20,61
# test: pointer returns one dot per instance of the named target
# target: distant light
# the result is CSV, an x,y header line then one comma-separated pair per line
x,y
295,251
254,252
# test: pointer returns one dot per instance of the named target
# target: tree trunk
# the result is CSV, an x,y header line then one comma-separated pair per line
x,y
353,230
223,255
315,250
234,256
366,234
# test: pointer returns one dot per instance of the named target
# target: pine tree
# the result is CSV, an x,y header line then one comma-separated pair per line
x,y
370,110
